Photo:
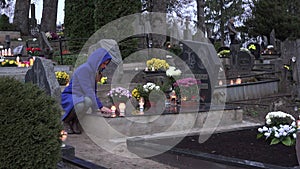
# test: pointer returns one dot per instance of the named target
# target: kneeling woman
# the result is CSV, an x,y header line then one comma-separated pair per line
x,y
81,94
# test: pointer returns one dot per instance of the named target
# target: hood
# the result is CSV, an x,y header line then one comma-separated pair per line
x,y
97,58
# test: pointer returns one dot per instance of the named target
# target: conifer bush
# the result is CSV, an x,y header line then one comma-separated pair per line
x,y
29,126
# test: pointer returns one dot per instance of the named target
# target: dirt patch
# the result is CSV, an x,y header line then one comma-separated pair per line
x,y
243,145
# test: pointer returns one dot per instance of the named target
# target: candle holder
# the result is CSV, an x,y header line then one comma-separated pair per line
x,y
141,104
63,137
113,111
122,108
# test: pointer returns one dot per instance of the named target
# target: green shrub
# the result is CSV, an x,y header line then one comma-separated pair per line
x,y
67,59
29,125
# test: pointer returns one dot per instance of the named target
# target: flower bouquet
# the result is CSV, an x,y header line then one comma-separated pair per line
x,y
62,77
51,35
280,128
149,92
172,71
9,63
156,64
103,80
33,51
187,88
119,95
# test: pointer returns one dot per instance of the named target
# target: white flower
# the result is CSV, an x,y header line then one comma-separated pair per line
x,y
284,134
281,130
286,127
265,128
275,128
260,130
268,122
294,135
267,134
173,72
277,135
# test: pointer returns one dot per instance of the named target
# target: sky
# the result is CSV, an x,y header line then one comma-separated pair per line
x,y
60,11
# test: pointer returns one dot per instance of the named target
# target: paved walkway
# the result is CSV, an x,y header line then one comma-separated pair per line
x,y
86,149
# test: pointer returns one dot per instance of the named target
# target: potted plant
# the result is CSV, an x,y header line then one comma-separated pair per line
x,y
147,91
155,64
119,95
280,128
62,77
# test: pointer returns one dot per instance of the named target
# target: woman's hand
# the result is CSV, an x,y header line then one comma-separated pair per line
x,y
105,109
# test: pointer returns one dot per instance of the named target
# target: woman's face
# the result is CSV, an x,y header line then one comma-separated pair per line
x,y
103,65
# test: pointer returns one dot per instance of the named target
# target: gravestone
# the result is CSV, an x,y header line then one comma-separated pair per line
x,y
244,62
114,70
42,74
7,41
201,59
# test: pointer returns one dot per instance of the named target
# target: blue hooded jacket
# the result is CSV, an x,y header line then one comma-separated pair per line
x,y
83,83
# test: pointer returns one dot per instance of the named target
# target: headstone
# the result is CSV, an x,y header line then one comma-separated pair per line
x,y
273,39
7,41
245,62
42,74
202,60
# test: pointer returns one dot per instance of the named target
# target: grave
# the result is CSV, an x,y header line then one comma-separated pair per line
x,y
42,74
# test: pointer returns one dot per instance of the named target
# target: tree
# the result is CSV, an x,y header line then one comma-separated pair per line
x,y
220,11
21,16
79,21
49,15
280,15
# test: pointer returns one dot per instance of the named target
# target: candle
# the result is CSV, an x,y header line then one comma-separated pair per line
x,y
152,69
9,52
146,69
220,83
238,81
231,82
113,111
122,108
141,103
173,97
63,137
18,59
30,61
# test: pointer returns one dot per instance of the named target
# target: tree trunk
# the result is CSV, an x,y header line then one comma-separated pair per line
x,y
200,15
158,23
21,16
222,22
49,16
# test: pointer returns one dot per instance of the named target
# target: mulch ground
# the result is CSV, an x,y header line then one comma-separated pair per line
x,y
243,145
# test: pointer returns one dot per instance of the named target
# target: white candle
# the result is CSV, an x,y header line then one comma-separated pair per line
x,y
113,111
122,108
9,52
141,103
